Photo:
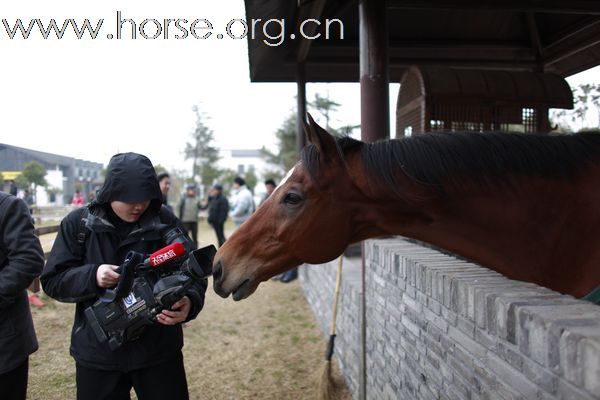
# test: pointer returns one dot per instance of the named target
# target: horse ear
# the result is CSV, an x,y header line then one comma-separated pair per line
x,y
320,138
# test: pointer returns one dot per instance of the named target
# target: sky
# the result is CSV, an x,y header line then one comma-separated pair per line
x,y
91,99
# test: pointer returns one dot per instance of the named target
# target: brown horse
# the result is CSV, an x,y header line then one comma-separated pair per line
x,y
527,206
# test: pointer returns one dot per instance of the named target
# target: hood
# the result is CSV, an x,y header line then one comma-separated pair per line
x,y
130,178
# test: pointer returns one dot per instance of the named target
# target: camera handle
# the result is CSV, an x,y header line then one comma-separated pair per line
x,y
170,290
127,275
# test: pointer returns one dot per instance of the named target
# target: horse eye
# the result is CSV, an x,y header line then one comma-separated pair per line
x,y
292,199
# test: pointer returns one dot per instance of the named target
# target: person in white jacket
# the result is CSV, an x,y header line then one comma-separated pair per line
x,y
242,203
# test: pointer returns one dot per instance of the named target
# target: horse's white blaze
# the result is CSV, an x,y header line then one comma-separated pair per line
x,y
285,178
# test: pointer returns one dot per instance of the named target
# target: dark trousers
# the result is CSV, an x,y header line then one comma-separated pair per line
x,y
13,384
192,230
219,231
159,382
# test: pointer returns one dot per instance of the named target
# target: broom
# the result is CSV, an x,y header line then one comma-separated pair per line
x,y
329,389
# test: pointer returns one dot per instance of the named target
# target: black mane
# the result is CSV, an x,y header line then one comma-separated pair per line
x,y
440,160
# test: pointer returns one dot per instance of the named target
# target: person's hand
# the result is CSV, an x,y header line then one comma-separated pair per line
x,y
106,276
178,312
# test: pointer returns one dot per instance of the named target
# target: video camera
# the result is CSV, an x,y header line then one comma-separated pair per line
x,y
144,289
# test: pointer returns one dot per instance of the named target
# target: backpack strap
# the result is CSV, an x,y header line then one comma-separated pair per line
x,y
82,233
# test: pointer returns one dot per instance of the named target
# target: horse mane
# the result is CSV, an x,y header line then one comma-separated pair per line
x,y
441,161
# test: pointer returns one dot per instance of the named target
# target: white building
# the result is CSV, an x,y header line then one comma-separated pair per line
x,y
243,161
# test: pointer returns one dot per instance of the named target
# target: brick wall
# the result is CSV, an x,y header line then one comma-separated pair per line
x,y
441,328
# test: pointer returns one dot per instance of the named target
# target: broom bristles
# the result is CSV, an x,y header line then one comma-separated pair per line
x,y
330,388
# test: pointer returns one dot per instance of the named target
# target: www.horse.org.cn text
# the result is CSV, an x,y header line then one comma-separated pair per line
x,y
272,31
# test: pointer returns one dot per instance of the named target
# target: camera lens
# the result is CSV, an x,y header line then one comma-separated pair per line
x,y
199,263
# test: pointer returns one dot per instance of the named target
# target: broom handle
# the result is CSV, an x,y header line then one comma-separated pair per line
x,y
338,283
336,295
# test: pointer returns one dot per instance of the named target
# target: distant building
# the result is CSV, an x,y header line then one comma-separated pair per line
x,y
64,174
243,161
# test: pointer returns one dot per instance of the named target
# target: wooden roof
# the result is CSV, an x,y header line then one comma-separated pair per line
x,y
512,88
562,37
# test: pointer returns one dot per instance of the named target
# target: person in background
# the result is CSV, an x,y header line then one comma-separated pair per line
x,y
29,200
21,261
188,212
270,186
13,188
242,203
164,182
78,199
127,215
218,208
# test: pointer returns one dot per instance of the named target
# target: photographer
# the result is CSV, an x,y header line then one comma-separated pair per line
x,y
21,261
90,245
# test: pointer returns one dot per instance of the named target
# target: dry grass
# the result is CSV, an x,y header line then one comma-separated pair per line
x,y
265,347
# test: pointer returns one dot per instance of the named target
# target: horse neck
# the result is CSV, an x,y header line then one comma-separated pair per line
x,y
511,232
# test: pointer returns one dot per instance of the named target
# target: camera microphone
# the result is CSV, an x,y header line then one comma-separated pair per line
x,y
164,255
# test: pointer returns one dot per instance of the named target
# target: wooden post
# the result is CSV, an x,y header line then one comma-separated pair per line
x,y
374,71
374,116
301,105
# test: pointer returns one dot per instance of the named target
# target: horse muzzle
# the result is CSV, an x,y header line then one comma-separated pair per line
x,y
239,290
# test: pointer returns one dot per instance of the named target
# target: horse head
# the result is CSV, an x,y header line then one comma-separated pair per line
x,y
301,221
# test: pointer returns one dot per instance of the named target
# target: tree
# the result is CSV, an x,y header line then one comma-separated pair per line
x,y
287,155
35,174
22,182
201,150
325,106
159,169
1,181
251,179
586,99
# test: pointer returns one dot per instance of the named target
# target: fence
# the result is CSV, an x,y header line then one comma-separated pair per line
x,y
439,327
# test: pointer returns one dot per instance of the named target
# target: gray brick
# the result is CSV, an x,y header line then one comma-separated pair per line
x,y
567,391
534,333
433,345
483,379
540,376
490,342
433,319
510,353
461,370
466,326
432,373
428,393
456,391
510,376
590,356
508,303
434,306
475,349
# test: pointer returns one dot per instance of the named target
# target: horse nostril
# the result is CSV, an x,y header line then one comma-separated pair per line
x,y
217,271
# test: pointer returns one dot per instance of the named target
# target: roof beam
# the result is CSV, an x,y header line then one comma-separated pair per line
x,y
402,62
496,49
577,38
308,10
534,35
546,6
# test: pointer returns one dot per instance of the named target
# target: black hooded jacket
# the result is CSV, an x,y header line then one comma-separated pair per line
x,y
70,273
21,260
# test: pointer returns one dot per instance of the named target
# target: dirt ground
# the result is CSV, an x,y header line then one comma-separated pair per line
x,y
265,347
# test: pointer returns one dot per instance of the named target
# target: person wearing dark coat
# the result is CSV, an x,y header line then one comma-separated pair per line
x,y
21,261
126,215
218,209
